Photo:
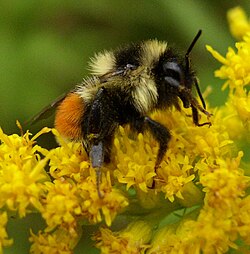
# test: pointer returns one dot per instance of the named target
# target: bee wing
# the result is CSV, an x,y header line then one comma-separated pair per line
x,y
104,78
119,72
46,111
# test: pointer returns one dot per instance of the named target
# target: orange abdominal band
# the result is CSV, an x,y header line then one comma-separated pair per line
x,y
69,116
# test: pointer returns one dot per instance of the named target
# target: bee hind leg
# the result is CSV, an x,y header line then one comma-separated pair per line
x,y
99,129
96,155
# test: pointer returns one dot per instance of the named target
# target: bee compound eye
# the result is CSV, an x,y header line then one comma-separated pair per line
x,y
173,70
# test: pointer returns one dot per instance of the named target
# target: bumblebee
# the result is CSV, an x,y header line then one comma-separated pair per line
x,y
125,87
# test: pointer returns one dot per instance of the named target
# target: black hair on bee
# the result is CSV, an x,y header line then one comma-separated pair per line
x,y
125,87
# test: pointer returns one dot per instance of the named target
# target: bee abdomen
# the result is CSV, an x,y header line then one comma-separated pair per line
x,y
69,117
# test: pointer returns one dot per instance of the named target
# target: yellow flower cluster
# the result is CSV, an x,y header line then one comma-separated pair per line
x,y
238,22
22,171
195,202
131,240
66,202
4,241
236,65
236,71
58,242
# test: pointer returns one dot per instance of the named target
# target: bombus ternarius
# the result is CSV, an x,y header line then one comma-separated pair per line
x,y
126,85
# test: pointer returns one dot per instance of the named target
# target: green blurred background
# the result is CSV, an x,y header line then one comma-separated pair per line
x,y
45,44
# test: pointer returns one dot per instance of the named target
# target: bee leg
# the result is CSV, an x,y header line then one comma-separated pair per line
x,y
159,132
195,116
162,136
107,148
99,132
96,155
100,153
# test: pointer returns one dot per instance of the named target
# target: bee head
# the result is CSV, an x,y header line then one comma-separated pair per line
x,y
180,76
178,79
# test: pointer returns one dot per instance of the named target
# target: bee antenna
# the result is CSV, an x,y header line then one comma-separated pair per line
x,y
188,66
193,42
190,49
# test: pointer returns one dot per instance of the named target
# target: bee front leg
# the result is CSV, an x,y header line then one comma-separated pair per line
x,y
162,136
159,132
195,116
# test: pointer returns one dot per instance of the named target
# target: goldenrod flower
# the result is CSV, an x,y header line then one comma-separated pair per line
x,y
224,182
61,206
92,206
236,64
240,107
236,71
175,176
135,161
22,171
60,241
239,23
132,240
243,219
4,241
